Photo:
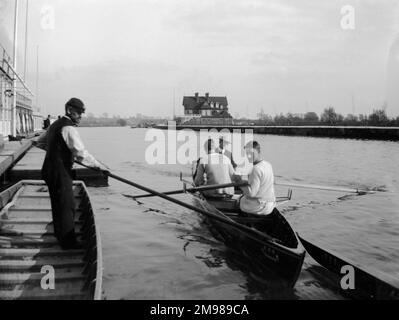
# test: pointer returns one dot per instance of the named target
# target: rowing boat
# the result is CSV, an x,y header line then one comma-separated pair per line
x,y
32,264
271,245
368,283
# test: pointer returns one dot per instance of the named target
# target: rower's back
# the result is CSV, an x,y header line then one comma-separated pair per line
x,y
214,168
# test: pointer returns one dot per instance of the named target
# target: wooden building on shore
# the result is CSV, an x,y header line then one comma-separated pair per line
x,y
206,110
27,119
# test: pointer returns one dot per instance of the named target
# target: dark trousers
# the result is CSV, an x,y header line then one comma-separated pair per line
x,y
59,183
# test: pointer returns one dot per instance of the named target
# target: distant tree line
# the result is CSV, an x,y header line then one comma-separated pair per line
x,y
102,121
329,117
90,120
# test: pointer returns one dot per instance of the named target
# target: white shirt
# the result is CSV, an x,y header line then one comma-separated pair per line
x,y
74,142
261,182
217,169
259,196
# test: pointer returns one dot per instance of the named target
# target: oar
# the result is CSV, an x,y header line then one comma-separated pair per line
x,y
327,188
195,189
220,218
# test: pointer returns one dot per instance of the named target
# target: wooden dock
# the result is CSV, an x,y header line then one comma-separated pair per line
x,y
11,152
30,165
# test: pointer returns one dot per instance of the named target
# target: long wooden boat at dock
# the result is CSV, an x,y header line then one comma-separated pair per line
x,y
367,283
272,245
30,253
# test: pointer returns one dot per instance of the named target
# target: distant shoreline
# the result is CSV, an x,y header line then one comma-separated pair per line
x,y
344,132
100,126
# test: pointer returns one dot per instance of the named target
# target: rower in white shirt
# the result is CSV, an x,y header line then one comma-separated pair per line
x,y
223,143
214,168
259,197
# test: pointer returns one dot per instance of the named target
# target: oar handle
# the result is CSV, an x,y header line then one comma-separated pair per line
x,y
326,188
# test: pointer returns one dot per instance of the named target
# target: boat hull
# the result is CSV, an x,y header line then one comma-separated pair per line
x,y
264,255
32,264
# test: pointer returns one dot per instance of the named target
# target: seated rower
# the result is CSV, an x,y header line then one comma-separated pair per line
x,y
215,168
259,195
223,150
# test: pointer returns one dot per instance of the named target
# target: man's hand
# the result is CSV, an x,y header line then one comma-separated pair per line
x,y
103,169
237,178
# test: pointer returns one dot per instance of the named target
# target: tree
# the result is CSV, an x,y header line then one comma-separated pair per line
x,y
121,122
294,119
280,120
330,117
378,118
363,119
261,115
311,118
351,120
264,118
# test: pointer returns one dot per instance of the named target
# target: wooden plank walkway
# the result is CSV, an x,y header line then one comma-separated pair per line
x,y
11,151
30,165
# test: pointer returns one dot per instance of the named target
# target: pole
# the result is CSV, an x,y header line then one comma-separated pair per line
x,y
14,97
26,37
174,102
37,79
22,82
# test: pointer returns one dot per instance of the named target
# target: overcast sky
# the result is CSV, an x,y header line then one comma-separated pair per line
x,y
132,56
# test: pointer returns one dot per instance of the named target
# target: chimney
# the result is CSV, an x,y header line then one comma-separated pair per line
x,y
207,97
196,97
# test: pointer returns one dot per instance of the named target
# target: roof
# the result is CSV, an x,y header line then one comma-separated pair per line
x,y
190,102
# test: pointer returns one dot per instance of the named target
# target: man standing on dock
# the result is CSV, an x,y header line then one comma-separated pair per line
x,y
259,196
46,123
63,145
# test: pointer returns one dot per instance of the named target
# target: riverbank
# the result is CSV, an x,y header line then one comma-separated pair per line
x,y
365,133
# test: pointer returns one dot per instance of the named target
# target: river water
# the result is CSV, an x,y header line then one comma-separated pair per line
x,y
157,250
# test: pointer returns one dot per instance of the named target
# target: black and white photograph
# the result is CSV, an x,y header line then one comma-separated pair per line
x,y
199,156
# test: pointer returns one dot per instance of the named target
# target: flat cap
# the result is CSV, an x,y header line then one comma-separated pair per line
x,y
77,104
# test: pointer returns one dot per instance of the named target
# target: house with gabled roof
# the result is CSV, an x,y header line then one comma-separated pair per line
x,y
205,106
